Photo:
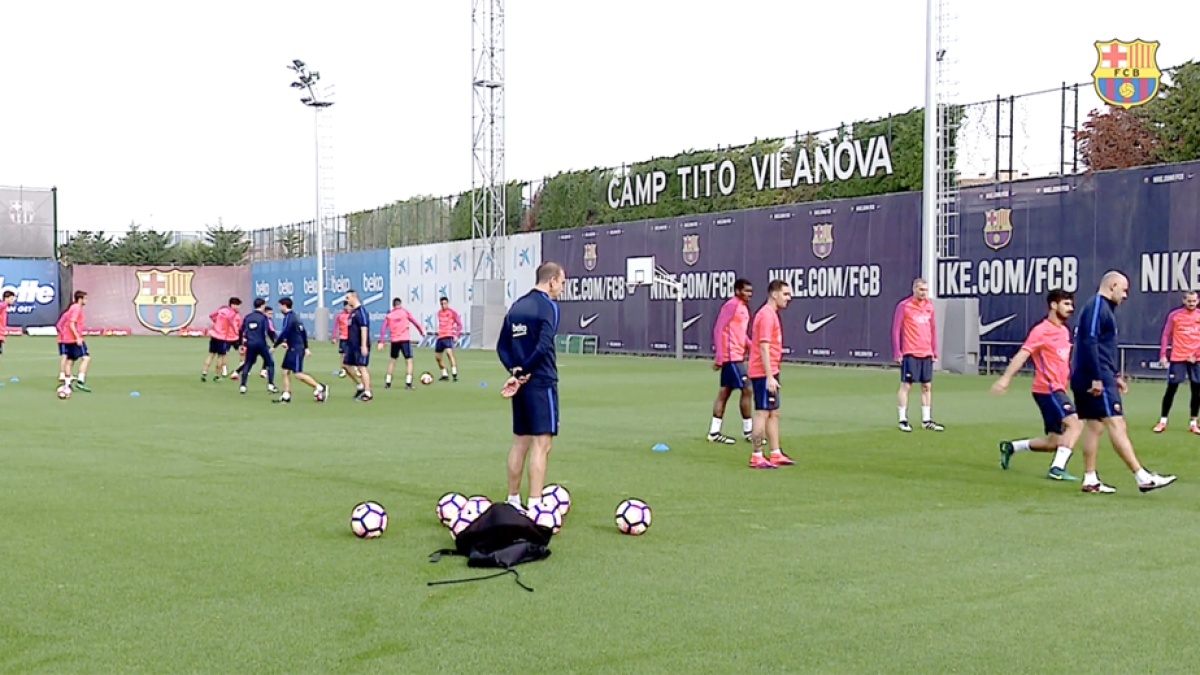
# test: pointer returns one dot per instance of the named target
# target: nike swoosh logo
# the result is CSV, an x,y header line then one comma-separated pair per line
x,y
814,326
688,323
585,321
985,328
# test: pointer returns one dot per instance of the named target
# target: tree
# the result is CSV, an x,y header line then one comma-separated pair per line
x,y
1116,139
1174,115
87,248
192,252
225,246
143,247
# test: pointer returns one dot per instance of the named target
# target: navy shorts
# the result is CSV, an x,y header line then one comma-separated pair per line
x,y
233,345
763,399
916,369
220,347
402,347
73,352
342,346
535,411
444,343
1182,371
1,346
353,356
732,375
1055,408
1107,404
293,360
253,353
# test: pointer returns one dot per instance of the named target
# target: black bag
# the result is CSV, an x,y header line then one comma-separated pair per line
x,y
501,537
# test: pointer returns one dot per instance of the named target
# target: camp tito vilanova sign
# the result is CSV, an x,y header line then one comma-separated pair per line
x,y
781,169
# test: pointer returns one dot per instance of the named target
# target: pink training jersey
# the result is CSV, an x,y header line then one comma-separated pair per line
x,y
768,330
449,325
730,332
223,324
70,324
3,320
342,324
1049,348
1182,332
396,325
914,330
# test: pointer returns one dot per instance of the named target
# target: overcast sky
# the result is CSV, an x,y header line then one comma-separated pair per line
x,y
177,114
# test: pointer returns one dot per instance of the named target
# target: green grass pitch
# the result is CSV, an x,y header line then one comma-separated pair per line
x,y
192,530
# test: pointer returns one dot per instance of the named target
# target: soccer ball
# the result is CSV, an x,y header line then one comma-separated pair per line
x,y
633,517
449,506
557,497
475,506
64,391
546,516
368,520
319,395
426,378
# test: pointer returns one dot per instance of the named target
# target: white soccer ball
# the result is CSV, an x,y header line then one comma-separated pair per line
x,y
557,497
64,391
319,395
476,505
633,517
546,516
426,378
368,520
449,506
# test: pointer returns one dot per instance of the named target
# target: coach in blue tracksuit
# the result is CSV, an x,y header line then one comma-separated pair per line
x,y
526,348
1097,385
258,335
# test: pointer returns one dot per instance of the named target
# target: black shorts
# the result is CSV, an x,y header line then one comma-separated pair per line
x,y
763,399
1182,371
1107,404
1,346
1055,408
444,343
342,346
402,347
916,369
733,376
218,347
293,360
73,352
353,356
535,411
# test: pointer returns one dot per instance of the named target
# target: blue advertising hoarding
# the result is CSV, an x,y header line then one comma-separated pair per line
x,y
35,283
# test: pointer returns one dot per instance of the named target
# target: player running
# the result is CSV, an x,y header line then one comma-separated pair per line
x,y
341,328
5,302
731,339
71,347
395,325
449,328
257,334
296,338
1181,333
765,355
1049,346
1097,386
358,347
914,346
222,333
526,348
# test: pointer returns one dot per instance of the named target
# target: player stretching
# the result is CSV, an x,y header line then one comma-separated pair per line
x,y
395,325
219,337
296,338
341,328
1097,386
526,348
5,302
765,354
1049,345
257,334
914,346
731,334
358,347
449,328
71,347
1182,333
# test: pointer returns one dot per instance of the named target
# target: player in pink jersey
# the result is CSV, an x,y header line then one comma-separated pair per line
x,y
71,347
222,333
449,328
1181,333
914,346
5,302
766,353
395,325
1048,346
340,333
731,341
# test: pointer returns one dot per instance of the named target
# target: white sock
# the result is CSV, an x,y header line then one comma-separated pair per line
x,y
903,413
1193,423
359,386
81,378
443,372
224,371
715,427
926,413
408,380
747,425
389,379
1021,445
1142,475
1163,420
287,396
514,500
777,451
1060,458
367,393
453,370
1091,478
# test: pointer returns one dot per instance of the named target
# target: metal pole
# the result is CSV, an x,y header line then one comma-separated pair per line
x,y
929,185
1012,106
1074,143
1062,130
679,322
996,171
320,229
54,200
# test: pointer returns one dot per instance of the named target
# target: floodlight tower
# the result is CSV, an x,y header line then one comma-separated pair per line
x,y
939,212
487,141
324,157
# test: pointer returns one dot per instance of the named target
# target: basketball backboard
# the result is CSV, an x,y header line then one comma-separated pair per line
x,y
639,271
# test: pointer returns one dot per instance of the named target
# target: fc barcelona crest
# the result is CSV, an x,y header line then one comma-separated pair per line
x,y
164,300
691,249
589,257
997,231
1127,73
822,240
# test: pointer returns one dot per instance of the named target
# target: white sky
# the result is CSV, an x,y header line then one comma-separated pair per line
x,y
177,114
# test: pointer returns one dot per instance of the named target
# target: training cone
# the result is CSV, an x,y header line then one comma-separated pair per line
x,y
134,393
483,384
15,379
660,447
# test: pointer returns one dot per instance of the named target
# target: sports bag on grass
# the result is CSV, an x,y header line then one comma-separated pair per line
x,y
501,537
